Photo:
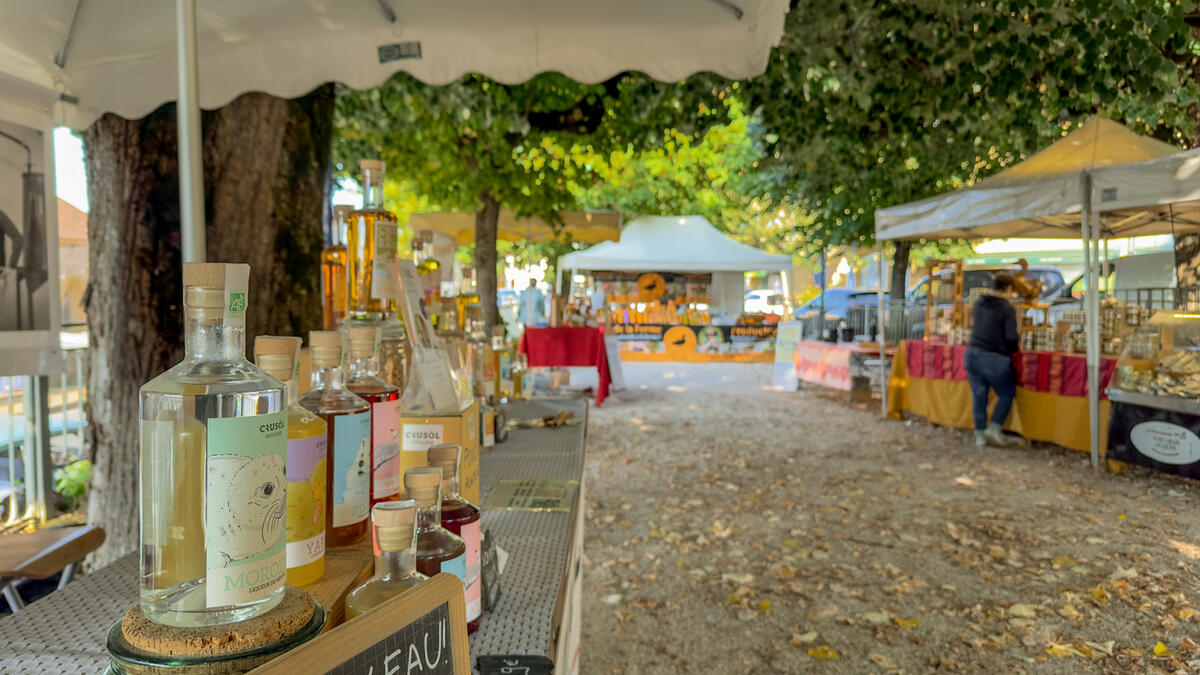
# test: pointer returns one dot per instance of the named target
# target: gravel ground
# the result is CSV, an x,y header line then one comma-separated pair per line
x,y
736,529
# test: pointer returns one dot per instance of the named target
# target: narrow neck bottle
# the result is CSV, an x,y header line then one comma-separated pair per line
x,y
209,339
396,565
372,189
429,518
327,377
363,366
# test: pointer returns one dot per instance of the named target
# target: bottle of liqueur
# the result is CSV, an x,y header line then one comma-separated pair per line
x,y
333,270
370,249
503,356
437,549
396,564
307,465
348,417
384,398
212,467
462,518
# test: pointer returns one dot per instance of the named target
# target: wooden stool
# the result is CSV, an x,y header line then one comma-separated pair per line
x,y
41,554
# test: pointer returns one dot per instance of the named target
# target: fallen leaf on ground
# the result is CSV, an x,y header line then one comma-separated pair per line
x,y
823,652
1099,595
877,617
807,638
905,623
1161,650
882,661
1022,610
1123,574
1063,561
965,480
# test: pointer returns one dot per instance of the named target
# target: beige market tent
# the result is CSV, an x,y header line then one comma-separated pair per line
x,y
1051,195
586,226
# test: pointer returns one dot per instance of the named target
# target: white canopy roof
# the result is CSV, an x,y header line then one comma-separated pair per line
x,y
1158,196
673,244
120,55
1040,197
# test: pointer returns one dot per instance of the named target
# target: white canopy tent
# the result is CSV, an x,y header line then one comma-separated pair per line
x,y
677,244
1051,194
82,58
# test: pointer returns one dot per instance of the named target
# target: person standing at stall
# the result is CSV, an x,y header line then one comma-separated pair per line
x,y
988,360
532,311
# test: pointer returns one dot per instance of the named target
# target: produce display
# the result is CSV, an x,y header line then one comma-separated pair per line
x,y
1162,358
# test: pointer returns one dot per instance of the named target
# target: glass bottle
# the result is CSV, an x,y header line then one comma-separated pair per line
x,y
384,398
372,232
333,270
503,356
462,518
212,467
393,352
396,564
348,417
307,463
437,549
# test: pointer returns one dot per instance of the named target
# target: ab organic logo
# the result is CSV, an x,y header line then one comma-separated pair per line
x,y
237,301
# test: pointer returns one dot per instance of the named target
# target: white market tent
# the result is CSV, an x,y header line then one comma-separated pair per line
x,y
73,60
678,244
1054,194
1156,196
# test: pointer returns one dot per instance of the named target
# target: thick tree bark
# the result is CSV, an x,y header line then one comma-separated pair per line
x,y
265,172
1187,260
899,283
486,220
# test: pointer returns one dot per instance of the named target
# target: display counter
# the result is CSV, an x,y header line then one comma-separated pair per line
x,y
835,365
695,344
928,379
538,611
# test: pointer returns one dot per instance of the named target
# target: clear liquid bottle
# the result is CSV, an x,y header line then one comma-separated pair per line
x,y
384,398
462,518
348,418
212,467
393,352
395,566
437,549
307,463
372,233
333,270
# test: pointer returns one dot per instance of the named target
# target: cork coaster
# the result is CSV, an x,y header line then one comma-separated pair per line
x,y
288,618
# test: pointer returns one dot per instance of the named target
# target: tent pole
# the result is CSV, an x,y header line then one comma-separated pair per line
x,y
880,333
191,167
1092,318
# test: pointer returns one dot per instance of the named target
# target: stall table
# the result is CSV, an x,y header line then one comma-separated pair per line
x,y
538,612
928,379
835,365
568,346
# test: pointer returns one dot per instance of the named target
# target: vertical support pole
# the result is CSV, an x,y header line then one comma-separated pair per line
x,y
187,110
824,285
880,333
1092,320
38,467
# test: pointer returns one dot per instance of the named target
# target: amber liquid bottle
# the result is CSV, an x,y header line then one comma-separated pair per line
x,y
371,237
462,518
348,419
384,398
333,271
437,549
395,566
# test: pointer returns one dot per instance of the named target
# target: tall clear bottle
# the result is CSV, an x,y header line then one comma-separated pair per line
x,y
461,517
384,398
372,233
396,564
212,467
348,418
437,549
307,463
333,270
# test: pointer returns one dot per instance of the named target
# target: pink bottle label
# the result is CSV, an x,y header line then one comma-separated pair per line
x,y
385,433
473,587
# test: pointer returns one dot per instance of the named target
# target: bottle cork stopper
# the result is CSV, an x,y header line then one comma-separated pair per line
x,y
438,455
278,366
342,212
205,297
422,484
204,274
394,523
371,164
363,340
325,348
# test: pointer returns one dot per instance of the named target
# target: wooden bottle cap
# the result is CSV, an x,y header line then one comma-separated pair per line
x,y
422,484
210,275
394,524
342,212
363,340
446,452
325,348
371,164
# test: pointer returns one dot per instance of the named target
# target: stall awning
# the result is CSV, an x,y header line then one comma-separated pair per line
x,y
673,244
1040,197
586,226
1157,196
120,55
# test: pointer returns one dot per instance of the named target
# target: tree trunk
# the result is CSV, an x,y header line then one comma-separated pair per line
x,y
486,220
899,281
1187,260
265,173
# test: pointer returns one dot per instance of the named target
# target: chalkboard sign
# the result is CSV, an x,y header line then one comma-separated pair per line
x,y
489,561
492,664
421,632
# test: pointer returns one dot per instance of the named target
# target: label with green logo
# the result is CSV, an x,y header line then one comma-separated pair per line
x,y
245,508
237,301
237,287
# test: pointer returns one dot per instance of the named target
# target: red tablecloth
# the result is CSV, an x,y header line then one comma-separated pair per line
x,y
564,346
1059,373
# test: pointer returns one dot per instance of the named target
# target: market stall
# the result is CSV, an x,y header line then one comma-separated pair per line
x,y
845,366
674,291
1049,195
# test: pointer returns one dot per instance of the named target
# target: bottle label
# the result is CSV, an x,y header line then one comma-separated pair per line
x,y
458,567
421,437
237,287
506,372
351,468
306,467
385,462
470,533
245,508
383,285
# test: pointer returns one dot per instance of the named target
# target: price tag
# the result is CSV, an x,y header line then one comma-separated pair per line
x,y
526,664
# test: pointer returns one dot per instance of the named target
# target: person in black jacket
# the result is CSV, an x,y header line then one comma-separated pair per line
x,y
988,359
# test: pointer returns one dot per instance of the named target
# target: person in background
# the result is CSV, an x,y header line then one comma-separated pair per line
x,y
599,297
988,360
532,311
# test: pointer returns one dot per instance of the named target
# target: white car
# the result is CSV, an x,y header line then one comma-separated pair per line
x,y
764,302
